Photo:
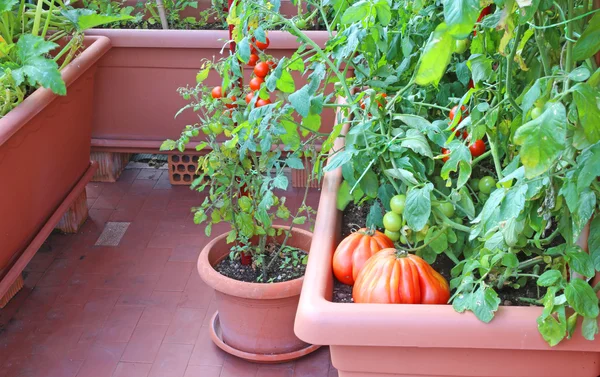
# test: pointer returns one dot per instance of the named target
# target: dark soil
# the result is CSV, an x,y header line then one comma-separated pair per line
x,y
250,273
354,218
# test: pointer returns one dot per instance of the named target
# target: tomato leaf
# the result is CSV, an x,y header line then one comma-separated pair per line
x,y
481,67
300,101
582,298
594,242
587,99
551,329
416,141
484,303
286,82
418,207
549,278
580,261
461,15
589,42
585,209
542,139
402,174
343,196
375,216
435,57
356,12
589,328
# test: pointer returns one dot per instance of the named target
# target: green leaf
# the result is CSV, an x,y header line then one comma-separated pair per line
x,y
415,121
94,20
436,56
202,75
418,207
416,141
311,122
437,240
370,184
530,97
343,197
458,152
168,145
300,101
589,328
291,137
280,182
594,242
484,304
586,204
245,223
286,82
375,216
338,159
551,329
404,175
582,298
549,278
462,302
356,12
461,15
579,74
384,14
35,68
510,260
7,5
299,220
589,43
587,99
294,162
580,261
231,236
542,139
243,50
481,67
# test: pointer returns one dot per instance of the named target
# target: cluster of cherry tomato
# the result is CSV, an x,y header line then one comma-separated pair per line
x,y
477,147
261,70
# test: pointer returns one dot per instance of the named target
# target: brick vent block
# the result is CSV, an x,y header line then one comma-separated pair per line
x,y
12,291
182,168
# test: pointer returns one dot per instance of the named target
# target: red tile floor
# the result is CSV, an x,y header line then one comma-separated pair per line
x,y
134,310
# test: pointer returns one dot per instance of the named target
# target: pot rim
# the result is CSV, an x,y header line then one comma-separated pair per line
x,y
321,321
242,289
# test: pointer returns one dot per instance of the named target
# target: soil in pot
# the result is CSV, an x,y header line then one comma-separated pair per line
x,y
286,269
354,217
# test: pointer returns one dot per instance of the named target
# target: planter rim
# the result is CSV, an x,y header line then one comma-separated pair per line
x,y
18,117
321,321
241,289
144,38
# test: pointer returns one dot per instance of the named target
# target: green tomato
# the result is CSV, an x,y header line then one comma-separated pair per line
x,y
397,203
301,24
483,197
461,46
392,222
487,184
403,240
536,112
216,128
206,130
475,184
458,220
447,209
394,236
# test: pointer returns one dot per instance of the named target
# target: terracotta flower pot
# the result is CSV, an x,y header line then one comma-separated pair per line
x,y
377,340
44,154
256,320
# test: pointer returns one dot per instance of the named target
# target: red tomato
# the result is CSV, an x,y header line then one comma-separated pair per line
x,y
263,46
232,105
454,110
262,102
470,85
477,148
255,83
249,97
446,153
272,64
216,92
379,104
484,12
261,69
253,50
253,60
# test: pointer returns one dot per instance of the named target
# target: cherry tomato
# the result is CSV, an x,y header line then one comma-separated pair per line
x,y
272,64
482,197
454,110
446,153
447,209
262,102
255,83
475,184
261,69
216,92
216,128
461,46
477,148
392,222
249,97
471,85
394,236
382,95
253,50
487,184
536,112
397,203
484,12
263,46
231,105
253,60
301,24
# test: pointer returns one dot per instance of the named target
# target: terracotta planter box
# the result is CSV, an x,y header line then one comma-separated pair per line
x,y
136,95
377,340
44,162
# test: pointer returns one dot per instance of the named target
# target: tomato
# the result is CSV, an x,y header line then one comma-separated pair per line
x,y
483,197
186,96
253,60
397,203
206,130
379,104
394,236
446,154
461,46
392,222
352,253
477,148
261,69
263,46
255,83
396,277
454,111
484,12
536,112
447,209
231,105
249,97
301,24
487,184
216,92
216,128
262,102
475,184
272,64
471,85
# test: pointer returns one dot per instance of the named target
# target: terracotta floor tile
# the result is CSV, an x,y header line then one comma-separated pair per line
x,y
202,371
171,360
333,373
212,309
163,184
102,359
154,203
164,239
144,343
185,253
274,372
151,173
141,187
152,262
185,326
31,278
206,352
197,296
234,367
93,190
161,309
175,276
40,262
58,274
107,201
129,175
98,307
120,324
132,370
316,364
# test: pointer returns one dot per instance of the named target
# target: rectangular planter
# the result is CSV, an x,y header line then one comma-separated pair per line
x,y
44,155
377,340
136,95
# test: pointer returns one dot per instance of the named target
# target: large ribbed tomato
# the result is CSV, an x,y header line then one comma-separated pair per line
x,y
396,277
354,250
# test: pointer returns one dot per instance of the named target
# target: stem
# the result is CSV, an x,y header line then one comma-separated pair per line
x,y
530,262
431,105
495,157
541,44
509,63
49,17
530,300
483,156
452,257
569,61
38,17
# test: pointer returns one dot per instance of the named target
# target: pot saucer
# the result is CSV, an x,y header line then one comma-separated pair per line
x,y
217,338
